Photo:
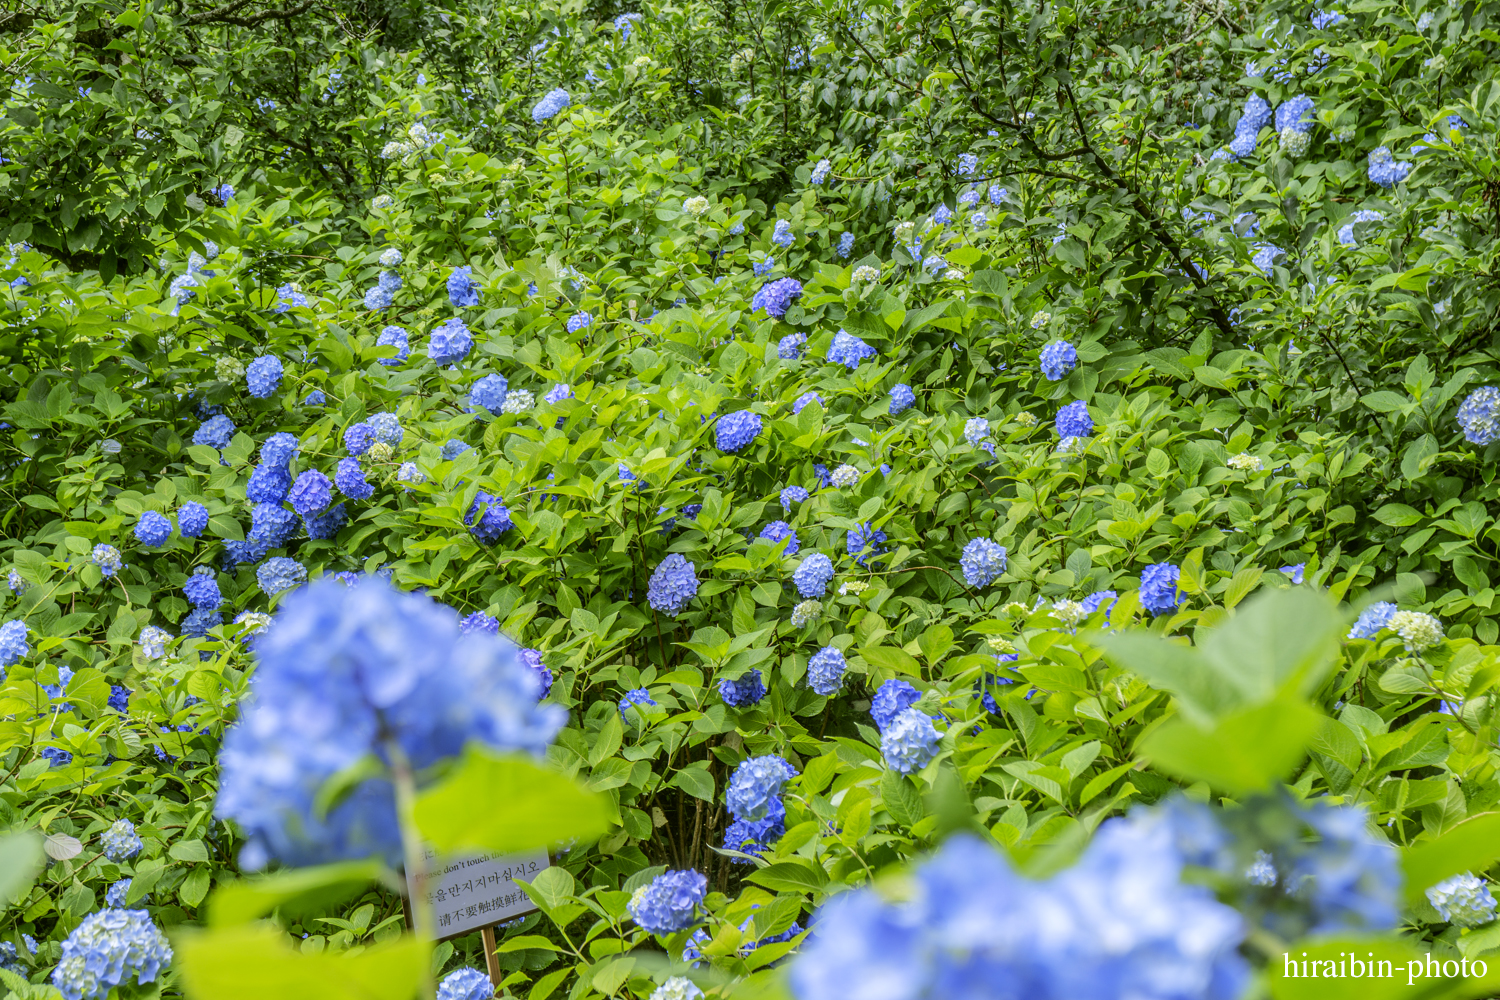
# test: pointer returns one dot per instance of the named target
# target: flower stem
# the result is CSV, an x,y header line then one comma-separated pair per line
x,y
405,783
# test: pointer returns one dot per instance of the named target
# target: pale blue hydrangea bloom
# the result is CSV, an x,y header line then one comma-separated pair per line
x,y
776,297
465,984
982,562
820,171
107,558
910,742
120,842
1463,900
1372,619
1479,416
789,496
393,336
1385,170
813,575
755,786
891,699
1159,591
550,105
846,246
450,342
782,236
13,642
848,350
902,398
579,321
976,429
153,529
1346,231
669,903
1058,359
108,949
789,348
825,670
1073,420
154,642
672,585
263,376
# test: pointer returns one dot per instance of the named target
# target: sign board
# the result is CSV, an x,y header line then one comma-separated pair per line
x,y
474,891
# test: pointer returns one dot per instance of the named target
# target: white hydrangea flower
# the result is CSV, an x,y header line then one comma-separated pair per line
x,y
1246,462
845,476
517,401
1026,419
806,612
1000,644
696,205
380,452
1417,629
849,587
1070,613
1040,319
677,988
953,274
227,369
865,273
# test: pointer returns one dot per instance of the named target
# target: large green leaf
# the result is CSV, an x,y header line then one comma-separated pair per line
x,y
507,804
255,962
21,858
301,890
1243,752
1470,846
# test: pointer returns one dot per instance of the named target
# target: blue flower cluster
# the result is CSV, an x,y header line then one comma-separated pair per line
x,y
672,585
462,291
465,984
736,430
153,529
813,574
743,691
1372,619
1120,924
803,400
1073,420
778,530
669,903
1384,169
110,948
791,495
825,671
394,336
192,518
910,742
982,562
891,699
280,573
202,589
263,376
488,518
107,558
13,642
902,398
775,297
345,669
789,348
120,842
450,342
1463,900
1159,591
1255,116
782,235
550,105
848,350
754,800
639,697
1346,231
1058,359
311,493
1479,416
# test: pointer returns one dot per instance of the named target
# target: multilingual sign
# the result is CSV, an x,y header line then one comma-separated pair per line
x,y
474,891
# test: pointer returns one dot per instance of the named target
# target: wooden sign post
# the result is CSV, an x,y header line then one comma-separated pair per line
x,y
476,892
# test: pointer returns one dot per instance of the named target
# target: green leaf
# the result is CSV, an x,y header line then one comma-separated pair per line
x,y
695,780
791,876
507,805
892,659
1246,751
297,891
1472,845
189,850
1398,515
901,798
552,888
256,961
21,858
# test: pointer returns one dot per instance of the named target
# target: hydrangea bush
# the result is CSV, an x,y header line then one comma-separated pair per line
x,y
453,396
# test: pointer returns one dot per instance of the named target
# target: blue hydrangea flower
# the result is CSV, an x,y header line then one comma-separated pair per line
x,y
813,575
976,429
1058,359
1351,879
154,642
1159,591
465,984
639,697
1121,923
846,246
1346,231
192,518
493,522
848,350
280,573
669,903
120,842
825,670
311,493
791,495
289,297
268,483
1073,420
108,949
1100,599
327,524
550,105
107,558
13,644
579,321
1296,113
820,171
743,691
1294,571
778,530
982,562
1479,416
386,428
272,525
350,479
454,448
1386,170
480,622
558,393
1463,900
891,699
315,398
153,529
450,342
752,837
775,297
782,236
1265,257
910,743
462,291
1372,619
756,785
198,622
15,582
672,585
802,401
736,430
344,670
789,348
358,437
115,895
532,659
215,432
202,589
862,542
902,398
263,376
394,336
279,449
